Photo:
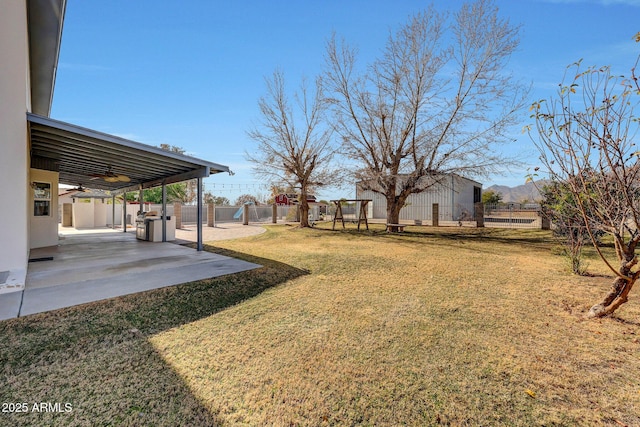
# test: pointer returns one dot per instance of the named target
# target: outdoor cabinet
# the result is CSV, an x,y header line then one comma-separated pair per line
x,y
155,229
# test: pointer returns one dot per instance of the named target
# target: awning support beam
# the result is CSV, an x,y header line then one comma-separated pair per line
x,y
124,212
164,212
199,227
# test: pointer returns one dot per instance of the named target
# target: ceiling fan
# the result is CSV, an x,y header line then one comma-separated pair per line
x,y
79,188
110,176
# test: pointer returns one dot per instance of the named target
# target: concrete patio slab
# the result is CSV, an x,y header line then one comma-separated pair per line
x,y
10,305
222,231
88,267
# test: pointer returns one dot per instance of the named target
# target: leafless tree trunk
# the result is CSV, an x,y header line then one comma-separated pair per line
x,y
586,139
293,150
435,103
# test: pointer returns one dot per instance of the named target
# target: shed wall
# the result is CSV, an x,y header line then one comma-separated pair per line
x,y
454,196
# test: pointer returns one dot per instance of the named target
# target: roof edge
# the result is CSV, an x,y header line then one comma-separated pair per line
x,y
45,20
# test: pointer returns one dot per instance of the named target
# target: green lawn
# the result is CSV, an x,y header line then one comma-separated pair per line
x,y
431,327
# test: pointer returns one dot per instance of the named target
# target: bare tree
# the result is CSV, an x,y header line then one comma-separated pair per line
x,y
437,102
586,140
294,148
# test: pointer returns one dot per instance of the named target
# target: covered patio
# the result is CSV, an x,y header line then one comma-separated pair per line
x,y
97,265
88,158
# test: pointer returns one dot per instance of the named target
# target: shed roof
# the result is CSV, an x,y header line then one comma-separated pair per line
x,y
86,194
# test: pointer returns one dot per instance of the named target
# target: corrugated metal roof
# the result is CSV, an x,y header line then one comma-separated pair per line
x,y
79,154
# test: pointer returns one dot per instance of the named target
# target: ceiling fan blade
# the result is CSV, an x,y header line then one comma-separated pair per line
x,y
110,176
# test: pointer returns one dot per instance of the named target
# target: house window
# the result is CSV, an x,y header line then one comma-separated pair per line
x,y
41,198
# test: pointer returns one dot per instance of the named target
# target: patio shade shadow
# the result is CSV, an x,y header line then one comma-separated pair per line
x,y
97,357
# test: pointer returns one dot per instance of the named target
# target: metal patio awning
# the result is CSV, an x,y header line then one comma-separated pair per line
x,y
79,154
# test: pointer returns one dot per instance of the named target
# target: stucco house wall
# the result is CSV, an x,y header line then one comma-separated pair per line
x,y
82,214
14,168
44,228
99,213
89,212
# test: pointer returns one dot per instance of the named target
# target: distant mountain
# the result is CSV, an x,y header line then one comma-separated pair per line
x,y
517,194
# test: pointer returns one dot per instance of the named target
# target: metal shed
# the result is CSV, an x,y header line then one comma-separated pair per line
x,y
455,196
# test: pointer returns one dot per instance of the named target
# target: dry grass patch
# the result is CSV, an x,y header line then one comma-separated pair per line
x,y
431,327
461,327
97,357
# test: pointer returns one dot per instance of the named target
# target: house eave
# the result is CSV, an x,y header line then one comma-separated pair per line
x,y
45,19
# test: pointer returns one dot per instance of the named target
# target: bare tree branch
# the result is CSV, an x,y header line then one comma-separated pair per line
x,y
427,107
586,137
294,146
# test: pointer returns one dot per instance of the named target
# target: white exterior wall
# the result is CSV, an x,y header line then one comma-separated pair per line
x,y
99,213
14,161
109,212
103,212
83,214
89,214
454,197
44,229
466,202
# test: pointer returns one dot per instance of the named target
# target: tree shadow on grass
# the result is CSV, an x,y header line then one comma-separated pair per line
x,y
535,239
97,358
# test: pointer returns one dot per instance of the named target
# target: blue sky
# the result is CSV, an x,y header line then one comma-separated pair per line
x,y
190,73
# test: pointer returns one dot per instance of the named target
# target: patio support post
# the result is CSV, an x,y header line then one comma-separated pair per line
x,y
435,215
141,200
177,212
211,215
113,211
479,213
199,225
164,212
124,211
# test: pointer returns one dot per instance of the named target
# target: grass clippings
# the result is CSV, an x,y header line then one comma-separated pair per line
x,y
428,327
